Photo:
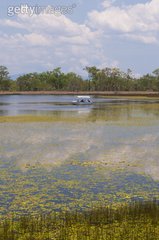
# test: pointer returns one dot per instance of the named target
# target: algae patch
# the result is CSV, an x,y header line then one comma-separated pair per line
x,y
35,118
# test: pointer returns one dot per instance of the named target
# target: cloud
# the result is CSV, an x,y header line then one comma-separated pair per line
x,y
11,23
135,21
108,3
45,41
37,39
148,39
57,143
20,40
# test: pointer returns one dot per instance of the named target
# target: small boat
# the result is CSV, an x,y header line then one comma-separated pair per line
x,y
82,100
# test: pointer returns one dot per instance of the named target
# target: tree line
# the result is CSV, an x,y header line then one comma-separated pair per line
x,y
106,79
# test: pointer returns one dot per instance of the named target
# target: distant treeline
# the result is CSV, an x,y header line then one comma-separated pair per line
x,y
138,221
106,79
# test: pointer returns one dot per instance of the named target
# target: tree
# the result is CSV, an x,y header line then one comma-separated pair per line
x,y
55,78
74,82
93,77
156,72
147,83
28,82
5,81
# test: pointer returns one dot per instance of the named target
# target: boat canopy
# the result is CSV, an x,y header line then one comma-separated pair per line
x,y
82,100
83,97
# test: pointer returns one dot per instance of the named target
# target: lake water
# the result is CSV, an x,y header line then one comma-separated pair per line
x,y
57,155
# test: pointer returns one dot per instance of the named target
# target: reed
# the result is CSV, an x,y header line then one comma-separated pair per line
x,y
135,221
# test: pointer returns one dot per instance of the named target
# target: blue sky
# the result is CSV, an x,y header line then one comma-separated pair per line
x,y
104,33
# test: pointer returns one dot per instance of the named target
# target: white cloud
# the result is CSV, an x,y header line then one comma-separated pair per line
x,y
46,41
148,39
108,3
11,23
37,39
136,19
19,40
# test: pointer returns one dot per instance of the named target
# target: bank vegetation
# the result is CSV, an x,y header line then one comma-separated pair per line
x,y
98,80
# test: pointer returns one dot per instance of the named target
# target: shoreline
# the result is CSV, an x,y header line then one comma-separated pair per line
x,y
95,93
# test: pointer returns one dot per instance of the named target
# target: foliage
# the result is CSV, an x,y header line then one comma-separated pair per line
x,y
5,82
106,79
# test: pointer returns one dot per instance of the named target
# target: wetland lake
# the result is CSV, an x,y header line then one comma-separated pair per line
x,y
55,155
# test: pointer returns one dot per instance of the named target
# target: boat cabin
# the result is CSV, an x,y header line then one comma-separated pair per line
x,y
82,100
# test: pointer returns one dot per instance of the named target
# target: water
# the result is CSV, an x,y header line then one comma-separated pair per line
x,y
66,156
48,104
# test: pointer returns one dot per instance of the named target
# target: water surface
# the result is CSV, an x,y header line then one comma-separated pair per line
x,y
54,154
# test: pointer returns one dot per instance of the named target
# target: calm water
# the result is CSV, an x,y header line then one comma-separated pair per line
x,y
21,104
108,151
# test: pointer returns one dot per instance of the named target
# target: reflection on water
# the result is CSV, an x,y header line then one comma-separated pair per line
x,y
99,145
109,131
61,107
94,144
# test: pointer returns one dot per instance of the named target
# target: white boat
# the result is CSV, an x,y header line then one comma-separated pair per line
x,y
82,100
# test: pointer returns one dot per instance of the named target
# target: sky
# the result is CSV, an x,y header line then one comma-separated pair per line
x,y
37,36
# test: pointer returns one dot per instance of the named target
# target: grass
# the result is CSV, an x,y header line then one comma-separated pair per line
x,y
134,221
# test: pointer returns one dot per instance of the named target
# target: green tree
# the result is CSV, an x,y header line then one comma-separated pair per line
x,y
93,76
73,82
156,72
55,79
5,81
28,82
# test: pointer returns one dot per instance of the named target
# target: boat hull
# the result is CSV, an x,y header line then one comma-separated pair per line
x,y
81,103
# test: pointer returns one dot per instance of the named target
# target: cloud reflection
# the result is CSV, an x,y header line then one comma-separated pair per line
x,y
52,144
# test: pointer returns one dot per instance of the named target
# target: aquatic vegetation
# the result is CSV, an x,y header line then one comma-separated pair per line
x,y
137,220
34,118
68,186
47,165
125,113
63,160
